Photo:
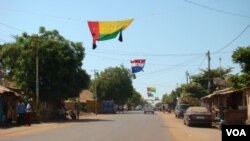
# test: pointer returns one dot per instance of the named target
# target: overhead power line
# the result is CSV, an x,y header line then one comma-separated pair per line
x,y
217,10
234,39
11,27
44,15
143,54
164,69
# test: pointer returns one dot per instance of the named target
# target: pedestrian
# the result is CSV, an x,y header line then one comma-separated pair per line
x,y
62,112
77,108
20,112
163,108
28,112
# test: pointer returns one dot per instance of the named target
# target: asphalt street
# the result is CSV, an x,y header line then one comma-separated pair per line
x,y
130,126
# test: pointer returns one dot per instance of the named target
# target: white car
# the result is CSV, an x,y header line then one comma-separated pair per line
x,y
148,108
139,108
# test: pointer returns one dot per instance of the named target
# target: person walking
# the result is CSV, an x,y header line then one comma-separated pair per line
x,y
20,112
163,108
28,113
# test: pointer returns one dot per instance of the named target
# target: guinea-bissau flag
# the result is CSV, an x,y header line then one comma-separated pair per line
x,y
151,91
106,30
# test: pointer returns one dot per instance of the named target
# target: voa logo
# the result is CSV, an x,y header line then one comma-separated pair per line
x,y
236,132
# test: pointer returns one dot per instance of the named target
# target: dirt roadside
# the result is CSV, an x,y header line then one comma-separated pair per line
x,y
181,132
45,127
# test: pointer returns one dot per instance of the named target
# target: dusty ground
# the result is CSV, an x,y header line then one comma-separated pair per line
x,y
181,132
45,127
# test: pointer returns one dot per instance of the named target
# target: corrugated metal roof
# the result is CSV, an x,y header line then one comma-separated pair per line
x,y
221,92
7,90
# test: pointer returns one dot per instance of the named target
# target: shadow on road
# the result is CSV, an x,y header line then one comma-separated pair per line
x,y
85,120
7,126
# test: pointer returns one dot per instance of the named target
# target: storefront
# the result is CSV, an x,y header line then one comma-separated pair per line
x,y
228,103
8,102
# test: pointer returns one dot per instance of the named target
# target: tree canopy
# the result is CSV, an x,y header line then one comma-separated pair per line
x,y
114,83
242,56
135,99
60,64
202,78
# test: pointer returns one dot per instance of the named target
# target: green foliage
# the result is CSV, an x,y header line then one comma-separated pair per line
x,y
135,99
60,62
239,81
188,99
113,84
169,99
242,56
202,78
194,89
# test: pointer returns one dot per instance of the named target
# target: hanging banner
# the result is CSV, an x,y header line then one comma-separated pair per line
x,y
106,30
151,91
137,65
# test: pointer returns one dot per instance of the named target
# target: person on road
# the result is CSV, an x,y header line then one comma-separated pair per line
x,y
28,112
20,112
163,108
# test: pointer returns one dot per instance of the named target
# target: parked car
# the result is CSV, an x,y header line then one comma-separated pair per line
x,y
197,115
138,108
180,109
148,108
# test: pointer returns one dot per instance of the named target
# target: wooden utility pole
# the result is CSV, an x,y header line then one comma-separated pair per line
x,y
208,72
37,71
95,73
187,77
220,67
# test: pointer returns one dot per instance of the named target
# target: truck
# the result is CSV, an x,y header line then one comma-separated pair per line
x,y
108,107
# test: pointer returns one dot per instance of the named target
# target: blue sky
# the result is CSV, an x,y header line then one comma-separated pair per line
x,y
172,35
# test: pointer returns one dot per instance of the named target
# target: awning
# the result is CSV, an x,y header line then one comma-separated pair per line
x,y
221,92
7,90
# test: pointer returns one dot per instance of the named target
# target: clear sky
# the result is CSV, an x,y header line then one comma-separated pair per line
x,y
172,35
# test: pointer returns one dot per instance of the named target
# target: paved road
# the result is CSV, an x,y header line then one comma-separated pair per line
x,y
130,126
181,132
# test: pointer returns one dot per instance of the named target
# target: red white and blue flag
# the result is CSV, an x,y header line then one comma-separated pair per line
x,y
137,65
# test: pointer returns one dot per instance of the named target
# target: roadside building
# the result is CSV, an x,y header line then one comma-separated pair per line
x,y
247,95
8,103
228,103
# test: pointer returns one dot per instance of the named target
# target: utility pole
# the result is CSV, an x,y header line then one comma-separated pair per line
x,y
187,76
220,67
37,72
208,72
95,73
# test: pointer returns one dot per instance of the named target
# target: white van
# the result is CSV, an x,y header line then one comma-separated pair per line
x,y
148,108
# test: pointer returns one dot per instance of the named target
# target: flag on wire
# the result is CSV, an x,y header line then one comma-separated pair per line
x,y
151,91
106,30
137,65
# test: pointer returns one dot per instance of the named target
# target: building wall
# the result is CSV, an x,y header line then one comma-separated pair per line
x,y
247,94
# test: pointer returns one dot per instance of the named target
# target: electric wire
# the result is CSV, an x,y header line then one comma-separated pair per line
x,y
217,10
233,40
164,69
11,27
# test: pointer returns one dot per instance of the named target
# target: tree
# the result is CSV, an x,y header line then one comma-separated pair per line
x,y
114,83
60,62
194,89
242,56
169,99
202,78
135,99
